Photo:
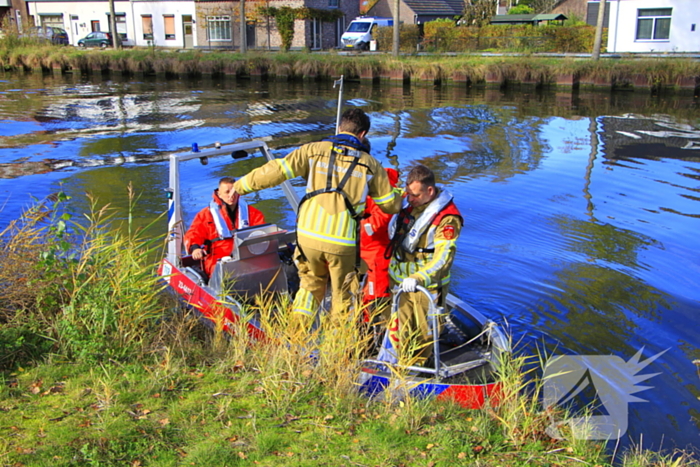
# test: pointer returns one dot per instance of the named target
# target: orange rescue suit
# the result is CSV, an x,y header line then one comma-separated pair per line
x,y
203,234
372,247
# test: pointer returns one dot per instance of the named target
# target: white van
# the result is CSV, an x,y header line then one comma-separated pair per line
x,y
359,32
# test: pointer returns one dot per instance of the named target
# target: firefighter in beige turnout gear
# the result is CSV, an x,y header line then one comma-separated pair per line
x,y
423,244
340,174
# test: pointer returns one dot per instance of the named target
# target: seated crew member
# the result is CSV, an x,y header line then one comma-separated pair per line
x,y
374,239
423,245
210,235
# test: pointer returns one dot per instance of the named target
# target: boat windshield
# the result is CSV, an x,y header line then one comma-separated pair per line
x,y
358,26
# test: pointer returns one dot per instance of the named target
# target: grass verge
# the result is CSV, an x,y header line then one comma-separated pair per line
x,y
126,380
623,73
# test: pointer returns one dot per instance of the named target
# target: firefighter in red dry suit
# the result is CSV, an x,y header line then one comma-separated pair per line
x,y
210,235
374,238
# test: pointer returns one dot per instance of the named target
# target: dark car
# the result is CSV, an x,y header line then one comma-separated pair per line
x,y
96,39
50,33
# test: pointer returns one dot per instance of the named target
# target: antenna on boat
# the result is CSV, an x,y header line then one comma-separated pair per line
x,y
339,82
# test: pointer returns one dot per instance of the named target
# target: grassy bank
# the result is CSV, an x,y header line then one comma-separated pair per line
x,y
656,74
99,369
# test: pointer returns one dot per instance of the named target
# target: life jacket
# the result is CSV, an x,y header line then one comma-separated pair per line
x,y
406,231
221,225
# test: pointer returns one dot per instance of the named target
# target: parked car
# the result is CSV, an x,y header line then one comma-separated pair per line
x,y
50,33
96,39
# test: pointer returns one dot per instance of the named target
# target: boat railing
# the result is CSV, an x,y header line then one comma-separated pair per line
x,y
236,151
440,370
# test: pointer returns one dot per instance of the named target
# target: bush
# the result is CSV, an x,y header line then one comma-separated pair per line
x,y
568,39
409,37
441,35
445,36
521,10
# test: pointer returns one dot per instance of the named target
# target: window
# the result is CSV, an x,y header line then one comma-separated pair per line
x,y
359,26
339,30
95,25
55,21
654,24
333,3
169,23
147,25
120,20
219,28
315,33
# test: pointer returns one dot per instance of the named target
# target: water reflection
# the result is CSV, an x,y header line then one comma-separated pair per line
x,y
581,209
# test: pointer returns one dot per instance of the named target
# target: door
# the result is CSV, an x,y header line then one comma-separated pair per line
x,y
74,31
187,31
339,30
315,34
250,35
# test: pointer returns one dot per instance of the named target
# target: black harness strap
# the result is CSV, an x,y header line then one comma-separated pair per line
x,y
331,166
338,189
404,224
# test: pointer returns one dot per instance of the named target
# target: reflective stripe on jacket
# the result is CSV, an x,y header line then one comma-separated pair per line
x,y
222,227
209,231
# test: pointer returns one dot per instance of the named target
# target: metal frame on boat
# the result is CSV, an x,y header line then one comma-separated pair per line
x,y
465,356
463,364
254,265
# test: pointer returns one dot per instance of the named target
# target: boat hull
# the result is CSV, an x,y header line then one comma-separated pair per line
x,y
470,396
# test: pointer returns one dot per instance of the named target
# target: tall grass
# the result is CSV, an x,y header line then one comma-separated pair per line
x,y
126,381
85,286
17,54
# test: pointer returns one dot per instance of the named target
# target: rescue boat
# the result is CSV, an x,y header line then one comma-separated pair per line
x,y
466,354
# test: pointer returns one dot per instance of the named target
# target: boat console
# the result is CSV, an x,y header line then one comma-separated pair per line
x,y
254,264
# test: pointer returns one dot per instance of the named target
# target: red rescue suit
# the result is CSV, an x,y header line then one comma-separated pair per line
x,y
204,232
372,247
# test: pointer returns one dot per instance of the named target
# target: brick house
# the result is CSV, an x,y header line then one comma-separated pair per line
x,y
419,11
199,24
13,13
220,24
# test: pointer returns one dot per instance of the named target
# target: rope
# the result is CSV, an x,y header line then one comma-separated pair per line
x,y
489,326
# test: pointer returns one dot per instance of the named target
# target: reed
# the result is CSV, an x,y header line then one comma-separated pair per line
x,y
87,288
127,383
626,73
18,242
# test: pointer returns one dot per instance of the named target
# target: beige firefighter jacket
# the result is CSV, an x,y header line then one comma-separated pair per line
x,y
325,223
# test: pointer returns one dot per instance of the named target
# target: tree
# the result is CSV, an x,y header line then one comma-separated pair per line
x,y
479,12
244,44
396,35
543,6
599,31
521,10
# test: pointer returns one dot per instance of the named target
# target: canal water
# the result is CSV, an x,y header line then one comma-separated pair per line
x,y
582,209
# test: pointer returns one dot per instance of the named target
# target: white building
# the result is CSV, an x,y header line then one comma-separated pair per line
x,y
142,23
654,26
186,24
